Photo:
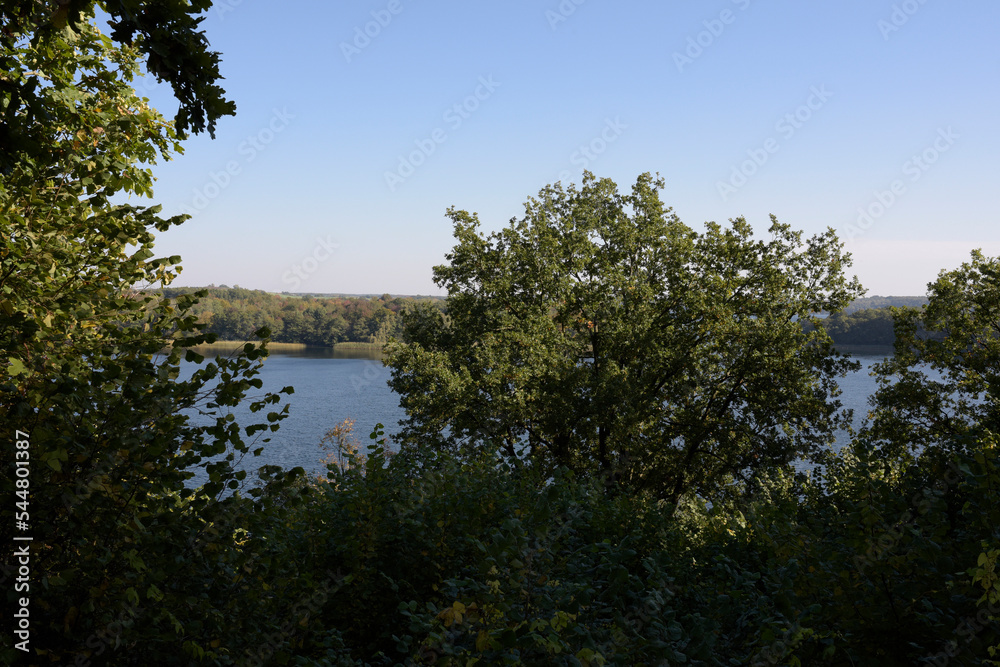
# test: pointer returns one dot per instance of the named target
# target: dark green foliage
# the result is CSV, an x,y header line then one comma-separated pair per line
x,y
943,382
461,558
872,326
879,548
443,560
449,559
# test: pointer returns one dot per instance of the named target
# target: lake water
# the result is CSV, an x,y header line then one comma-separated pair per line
x,y
329,390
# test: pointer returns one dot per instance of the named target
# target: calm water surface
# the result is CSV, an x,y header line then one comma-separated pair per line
x,y
857,387
329,390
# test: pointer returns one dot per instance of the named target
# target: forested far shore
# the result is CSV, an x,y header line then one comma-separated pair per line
x,y
876,302
872,326
235,313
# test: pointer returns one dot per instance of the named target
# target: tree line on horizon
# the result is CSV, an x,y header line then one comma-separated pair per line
x,y
235,313
878,302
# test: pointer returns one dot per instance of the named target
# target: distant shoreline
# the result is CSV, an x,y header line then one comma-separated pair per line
x,y
349,350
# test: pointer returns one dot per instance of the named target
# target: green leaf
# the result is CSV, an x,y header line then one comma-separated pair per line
x,y
15,367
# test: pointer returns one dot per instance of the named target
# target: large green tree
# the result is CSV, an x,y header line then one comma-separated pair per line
x,y
600,333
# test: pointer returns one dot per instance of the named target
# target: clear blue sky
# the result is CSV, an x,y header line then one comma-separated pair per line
x,y
811,111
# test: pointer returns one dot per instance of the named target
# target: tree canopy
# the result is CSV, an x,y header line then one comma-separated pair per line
x,y
941,387
39,77
600,333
